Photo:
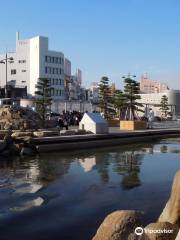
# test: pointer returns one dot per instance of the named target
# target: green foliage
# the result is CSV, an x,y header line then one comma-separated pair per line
x,y
164,105
43,100
125,103
119,103
104,96
131,91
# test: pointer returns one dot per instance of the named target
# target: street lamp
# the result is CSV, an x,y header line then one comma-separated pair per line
x,y
4,61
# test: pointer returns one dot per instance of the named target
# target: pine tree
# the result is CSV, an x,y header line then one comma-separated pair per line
x,y
119,103
43,100
104,95
164,105
131,91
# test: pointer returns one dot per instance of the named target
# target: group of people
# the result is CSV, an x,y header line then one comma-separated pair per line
x,y
67,119
73,118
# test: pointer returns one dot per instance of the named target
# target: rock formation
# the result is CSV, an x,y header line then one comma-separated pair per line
x,y
18,118
160,231
178,236
171,212
118,225
121,225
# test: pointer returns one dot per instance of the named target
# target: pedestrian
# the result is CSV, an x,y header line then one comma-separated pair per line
x,y
150,118
65,124
60,123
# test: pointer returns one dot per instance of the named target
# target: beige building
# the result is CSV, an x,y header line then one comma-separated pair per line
x,y
151,86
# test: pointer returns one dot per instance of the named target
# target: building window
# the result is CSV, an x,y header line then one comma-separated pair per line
x,y
23,70
13,71
22,61
46,70
48,59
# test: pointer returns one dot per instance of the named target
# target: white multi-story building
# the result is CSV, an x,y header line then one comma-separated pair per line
x,y
153,100
32,60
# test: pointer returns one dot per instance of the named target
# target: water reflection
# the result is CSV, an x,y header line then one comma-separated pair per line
x,y
87,163
129,167
20,177
28,204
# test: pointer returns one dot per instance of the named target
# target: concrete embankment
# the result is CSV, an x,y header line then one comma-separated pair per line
x,y
77,142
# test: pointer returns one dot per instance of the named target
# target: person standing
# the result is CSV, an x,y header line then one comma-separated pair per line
x,y
65,123
60,123
150,118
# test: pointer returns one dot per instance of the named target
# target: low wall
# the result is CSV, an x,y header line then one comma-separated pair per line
x,y
71,143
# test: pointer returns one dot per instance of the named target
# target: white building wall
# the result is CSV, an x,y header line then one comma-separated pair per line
x,y
34,64
67,67
30,64
152,100
21,63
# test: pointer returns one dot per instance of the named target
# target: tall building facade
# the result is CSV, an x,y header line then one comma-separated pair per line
x,y
150,86
32,60
74,86
94,92
67,77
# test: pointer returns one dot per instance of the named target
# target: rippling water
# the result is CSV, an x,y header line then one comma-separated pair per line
x,y
66,196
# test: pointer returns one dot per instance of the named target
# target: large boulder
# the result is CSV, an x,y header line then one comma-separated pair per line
x,y
171,212
118,225
45,133
21,134
134,236
178,236
160,231
67,132
16,117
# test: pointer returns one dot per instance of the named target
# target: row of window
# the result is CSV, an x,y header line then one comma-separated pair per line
x,y
13,71
57,60
54,81
51,70
57,92
22,61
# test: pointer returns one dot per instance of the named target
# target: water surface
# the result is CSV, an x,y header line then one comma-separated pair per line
x,y
66,196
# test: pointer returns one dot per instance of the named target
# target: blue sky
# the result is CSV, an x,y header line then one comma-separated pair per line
x,y
102,37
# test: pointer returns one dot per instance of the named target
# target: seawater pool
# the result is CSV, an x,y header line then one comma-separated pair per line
x,y
65,196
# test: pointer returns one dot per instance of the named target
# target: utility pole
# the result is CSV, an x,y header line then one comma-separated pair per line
x,y
5,61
